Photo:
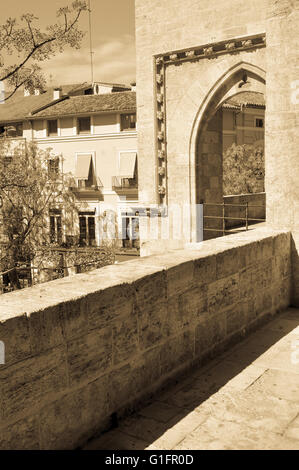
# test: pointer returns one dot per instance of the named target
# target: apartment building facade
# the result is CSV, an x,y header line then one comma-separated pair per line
x,y
92,131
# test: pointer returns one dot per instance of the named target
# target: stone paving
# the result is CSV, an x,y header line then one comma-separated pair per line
x,y
248,398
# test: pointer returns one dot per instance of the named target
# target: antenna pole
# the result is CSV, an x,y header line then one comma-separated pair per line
x,y
90,41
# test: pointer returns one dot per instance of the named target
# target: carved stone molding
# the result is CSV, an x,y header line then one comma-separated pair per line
x,y
159,78
208,50
247,43
190,54
229,46
203,52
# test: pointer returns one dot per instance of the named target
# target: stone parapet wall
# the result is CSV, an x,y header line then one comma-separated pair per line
x,y
82,350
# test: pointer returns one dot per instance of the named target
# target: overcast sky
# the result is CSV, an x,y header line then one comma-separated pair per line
x,y
113,35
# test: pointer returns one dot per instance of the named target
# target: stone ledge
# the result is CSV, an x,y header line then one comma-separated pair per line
x,y
105,340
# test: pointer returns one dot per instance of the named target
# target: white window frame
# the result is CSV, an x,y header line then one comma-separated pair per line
x,y
58,128
128,130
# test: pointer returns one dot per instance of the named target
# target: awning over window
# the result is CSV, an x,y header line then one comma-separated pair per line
x,y
83,166
127,164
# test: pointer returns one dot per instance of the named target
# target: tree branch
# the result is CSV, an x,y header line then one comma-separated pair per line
x,y
40,45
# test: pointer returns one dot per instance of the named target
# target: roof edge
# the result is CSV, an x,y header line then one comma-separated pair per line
x,y
48,105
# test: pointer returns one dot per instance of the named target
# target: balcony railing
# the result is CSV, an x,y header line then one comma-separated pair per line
x,y
243,221
124,184
83,189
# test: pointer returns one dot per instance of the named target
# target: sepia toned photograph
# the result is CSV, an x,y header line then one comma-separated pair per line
x,y
149,228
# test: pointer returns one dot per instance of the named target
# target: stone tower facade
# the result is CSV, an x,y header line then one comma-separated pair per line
x,y
191,57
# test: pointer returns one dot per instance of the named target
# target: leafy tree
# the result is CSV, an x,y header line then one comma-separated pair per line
x,y
27,191
243,169
32,46
30,186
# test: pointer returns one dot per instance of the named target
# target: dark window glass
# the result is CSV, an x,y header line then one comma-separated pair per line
x,y
130,232
84,125
259,123
52,127
53,167
52,228
59,229
91,230
87,229
128,121
12,129
82,228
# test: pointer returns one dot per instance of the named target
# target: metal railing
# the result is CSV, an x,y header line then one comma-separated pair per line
x,y
223,217
29,274
124,183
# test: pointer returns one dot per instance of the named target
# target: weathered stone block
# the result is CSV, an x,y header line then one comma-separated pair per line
x,y
254,278
179,278
281,267
205,269
252,253
147,370
193,302
281,294
125,339
27,384
176,321
22,435
75,417
151,289
263,302
177,351
235,319
227,262
89,356
151,325
223,293
122,387
46,329
109,304
210,331
248,310
74,317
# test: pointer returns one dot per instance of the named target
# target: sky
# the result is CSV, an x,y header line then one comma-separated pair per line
x,y
113,38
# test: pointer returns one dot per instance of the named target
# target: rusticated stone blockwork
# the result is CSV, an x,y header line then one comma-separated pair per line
x,y
80,349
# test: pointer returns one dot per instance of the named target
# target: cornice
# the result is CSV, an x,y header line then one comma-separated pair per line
x,y
89,138
161,61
